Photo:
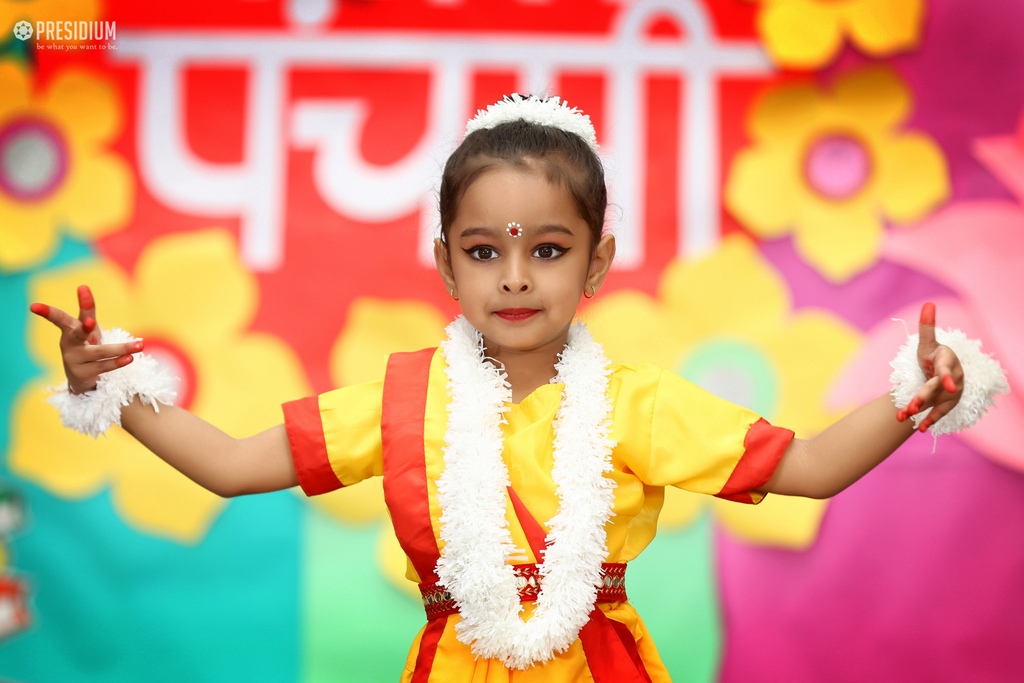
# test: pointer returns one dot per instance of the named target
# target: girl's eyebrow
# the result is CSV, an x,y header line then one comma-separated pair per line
x,y
469,232
491,232
561,229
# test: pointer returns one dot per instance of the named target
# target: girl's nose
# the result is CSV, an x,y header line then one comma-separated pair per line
x,y
516,277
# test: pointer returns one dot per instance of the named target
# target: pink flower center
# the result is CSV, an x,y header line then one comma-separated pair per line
x,y
33,159
837,166
177,361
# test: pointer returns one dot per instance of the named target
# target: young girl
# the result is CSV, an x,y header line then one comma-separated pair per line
x,y
522,470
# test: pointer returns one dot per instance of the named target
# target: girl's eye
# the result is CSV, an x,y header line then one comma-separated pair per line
x,y
549,251
482,253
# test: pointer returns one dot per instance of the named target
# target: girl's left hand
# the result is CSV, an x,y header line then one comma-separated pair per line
x,y
945,378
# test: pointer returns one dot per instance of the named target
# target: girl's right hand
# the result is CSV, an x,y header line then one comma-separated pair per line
x,y
85,359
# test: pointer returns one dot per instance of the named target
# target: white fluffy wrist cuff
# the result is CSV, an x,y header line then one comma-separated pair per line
x,y
983,379
94,411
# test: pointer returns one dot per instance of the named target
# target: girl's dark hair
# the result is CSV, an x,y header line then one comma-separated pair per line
x,y
564,157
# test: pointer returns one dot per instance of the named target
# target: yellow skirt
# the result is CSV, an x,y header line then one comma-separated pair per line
x,y
454,662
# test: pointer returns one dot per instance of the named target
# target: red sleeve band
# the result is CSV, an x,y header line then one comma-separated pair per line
x,y
309,450
763,447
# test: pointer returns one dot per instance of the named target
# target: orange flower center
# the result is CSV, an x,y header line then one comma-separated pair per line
x,y
177,361
33,159
837,166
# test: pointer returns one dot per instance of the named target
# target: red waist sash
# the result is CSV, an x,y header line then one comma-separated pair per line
x,y
439,603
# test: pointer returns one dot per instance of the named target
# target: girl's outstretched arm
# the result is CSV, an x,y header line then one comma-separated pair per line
x,y
206,455
823,466
209,457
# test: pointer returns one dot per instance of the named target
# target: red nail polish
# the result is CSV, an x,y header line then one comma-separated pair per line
x,y
138,345
85,298
89,324
124,360
40,309
928,314
949,384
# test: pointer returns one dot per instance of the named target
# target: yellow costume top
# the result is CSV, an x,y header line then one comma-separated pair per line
x,y
668,432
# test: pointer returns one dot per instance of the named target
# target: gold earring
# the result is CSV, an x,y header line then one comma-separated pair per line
x,y
452,293
593,294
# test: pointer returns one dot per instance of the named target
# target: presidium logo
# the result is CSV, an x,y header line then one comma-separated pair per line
x,y
75,31
23,30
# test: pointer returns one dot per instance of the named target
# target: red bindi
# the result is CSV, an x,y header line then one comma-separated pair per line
x,y
514,229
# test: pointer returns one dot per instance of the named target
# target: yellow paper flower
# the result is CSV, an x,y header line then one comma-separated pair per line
x,y
192,302
55,170
374,330
830,167
725,323
808,34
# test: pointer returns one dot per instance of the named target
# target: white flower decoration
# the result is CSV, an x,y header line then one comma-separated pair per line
x,y
542,111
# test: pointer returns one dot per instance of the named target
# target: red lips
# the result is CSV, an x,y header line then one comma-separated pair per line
x,y
514,314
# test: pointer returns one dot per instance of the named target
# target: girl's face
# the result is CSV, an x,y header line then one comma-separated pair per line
x,y
520,292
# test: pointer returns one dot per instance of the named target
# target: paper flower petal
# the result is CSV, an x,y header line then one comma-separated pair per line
x,y
912,177
801,34
882,27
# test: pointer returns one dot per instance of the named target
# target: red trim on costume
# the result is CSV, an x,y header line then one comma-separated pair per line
x,y
628,642
405,473
428,648
611,655
309,450
535,534
763,447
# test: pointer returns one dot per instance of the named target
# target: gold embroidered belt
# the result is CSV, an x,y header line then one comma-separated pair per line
x,y
438,602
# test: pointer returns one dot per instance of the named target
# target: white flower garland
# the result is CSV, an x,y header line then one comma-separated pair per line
x,y
94,411
474,564
542,111
983,379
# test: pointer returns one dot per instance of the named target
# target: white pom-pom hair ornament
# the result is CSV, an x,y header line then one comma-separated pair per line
x,y
549,111
983,379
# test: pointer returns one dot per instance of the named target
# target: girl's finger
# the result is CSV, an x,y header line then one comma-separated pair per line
x,y
938,412
95,352
947,368
87,311
80,332
86,303
55,316
102,366
926,397
926,328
